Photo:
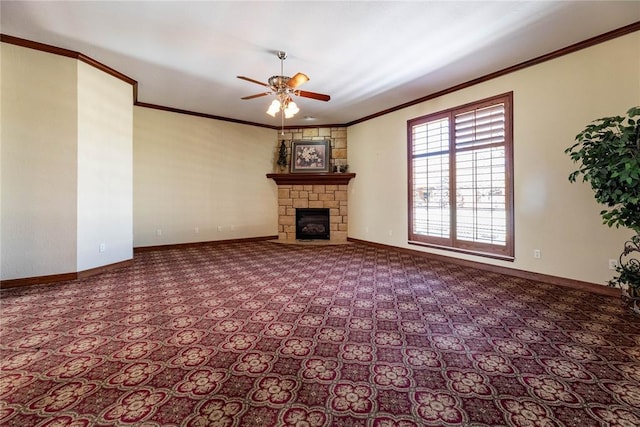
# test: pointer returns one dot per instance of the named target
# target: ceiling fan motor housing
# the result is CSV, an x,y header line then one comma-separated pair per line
x,y
279,83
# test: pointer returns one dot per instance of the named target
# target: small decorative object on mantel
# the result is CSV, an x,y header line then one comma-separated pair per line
x,y
338,168
282,156
607,152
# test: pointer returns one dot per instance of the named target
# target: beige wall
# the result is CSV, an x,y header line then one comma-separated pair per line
x,y
553,101
39,173
1,46
193,175
105,169
66,165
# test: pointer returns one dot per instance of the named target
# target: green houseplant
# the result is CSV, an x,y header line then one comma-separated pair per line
x,y
608,154
282,156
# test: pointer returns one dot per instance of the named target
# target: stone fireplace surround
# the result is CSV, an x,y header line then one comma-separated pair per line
x,y
309,190
313,190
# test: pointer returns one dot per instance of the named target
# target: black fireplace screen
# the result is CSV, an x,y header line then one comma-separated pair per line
x,y
312,224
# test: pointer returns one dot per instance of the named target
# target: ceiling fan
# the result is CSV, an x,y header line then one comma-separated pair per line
x,y
283,88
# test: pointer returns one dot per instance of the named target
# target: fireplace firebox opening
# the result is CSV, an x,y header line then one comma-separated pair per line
x,y
312,224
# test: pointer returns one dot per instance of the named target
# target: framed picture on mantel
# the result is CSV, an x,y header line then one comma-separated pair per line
x,y
310,156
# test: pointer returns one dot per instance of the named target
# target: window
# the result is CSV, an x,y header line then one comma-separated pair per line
x,y
460,178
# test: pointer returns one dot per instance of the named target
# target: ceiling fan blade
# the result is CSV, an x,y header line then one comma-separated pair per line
x,y
297,80
252,81
313,95
257,95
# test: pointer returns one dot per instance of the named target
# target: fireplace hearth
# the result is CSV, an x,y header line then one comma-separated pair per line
x,y
312,224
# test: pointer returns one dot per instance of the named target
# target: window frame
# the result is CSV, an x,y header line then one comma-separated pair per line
x,y
452,243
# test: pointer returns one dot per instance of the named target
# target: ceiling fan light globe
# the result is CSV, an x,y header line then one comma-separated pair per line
x,y
273,108
293,107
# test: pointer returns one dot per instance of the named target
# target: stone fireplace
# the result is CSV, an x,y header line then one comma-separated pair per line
x,y
313,191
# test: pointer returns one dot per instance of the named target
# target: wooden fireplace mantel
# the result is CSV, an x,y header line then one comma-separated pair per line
x,y
311,178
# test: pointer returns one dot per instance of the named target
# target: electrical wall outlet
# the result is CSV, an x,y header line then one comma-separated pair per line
x,y
613,264
219,228
159,232
537,253
102,247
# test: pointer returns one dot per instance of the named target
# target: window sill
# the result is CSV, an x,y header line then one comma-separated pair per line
x,y
464,251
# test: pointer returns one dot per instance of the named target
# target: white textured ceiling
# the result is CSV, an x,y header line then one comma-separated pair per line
x,y
369,56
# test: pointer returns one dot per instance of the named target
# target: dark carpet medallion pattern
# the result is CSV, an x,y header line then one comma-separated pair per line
x,y
263,334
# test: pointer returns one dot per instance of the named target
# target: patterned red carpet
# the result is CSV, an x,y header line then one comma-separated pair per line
x,y
263,334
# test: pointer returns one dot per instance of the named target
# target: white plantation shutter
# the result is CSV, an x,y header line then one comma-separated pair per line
x,y
460,190
430,173
483,126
